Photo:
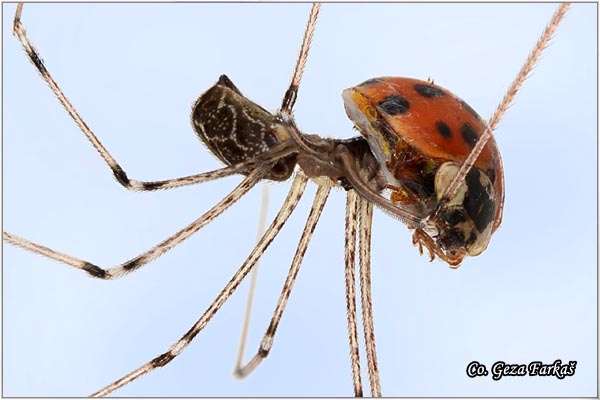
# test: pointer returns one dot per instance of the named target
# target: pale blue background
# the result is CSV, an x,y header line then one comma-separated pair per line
x,y
133,71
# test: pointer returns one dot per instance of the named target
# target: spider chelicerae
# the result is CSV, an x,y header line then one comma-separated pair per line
x,y
242,88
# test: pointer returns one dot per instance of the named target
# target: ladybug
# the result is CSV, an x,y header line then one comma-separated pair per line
x,y
420,134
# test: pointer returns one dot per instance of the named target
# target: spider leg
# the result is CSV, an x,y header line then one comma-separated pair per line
x,y
176,348
272,155
156,251
352,201
285,109
289,99
267,341
365,224
506,102
119,173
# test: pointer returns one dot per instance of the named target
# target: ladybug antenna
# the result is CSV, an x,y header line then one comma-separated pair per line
x,y
506,102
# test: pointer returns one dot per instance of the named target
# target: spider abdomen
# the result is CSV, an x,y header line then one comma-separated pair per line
x,y
235,129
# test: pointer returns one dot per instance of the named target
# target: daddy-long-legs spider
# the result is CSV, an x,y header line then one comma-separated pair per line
x,y
432,320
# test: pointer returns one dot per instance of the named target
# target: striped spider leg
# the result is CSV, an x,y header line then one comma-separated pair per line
x,y
402,377
252,142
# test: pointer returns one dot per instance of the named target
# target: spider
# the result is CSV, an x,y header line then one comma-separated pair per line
x,y
404,256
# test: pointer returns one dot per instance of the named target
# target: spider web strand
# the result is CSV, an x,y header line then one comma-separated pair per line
x,y
267,341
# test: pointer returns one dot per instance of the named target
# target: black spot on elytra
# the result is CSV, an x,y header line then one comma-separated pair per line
x,y
470,109
394,105
469,135
370,82
478,203
428,91
443,129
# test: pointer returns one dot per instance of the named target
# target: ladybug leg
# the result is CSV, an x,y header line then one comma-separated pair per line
x,y
345,160
402,196
421,239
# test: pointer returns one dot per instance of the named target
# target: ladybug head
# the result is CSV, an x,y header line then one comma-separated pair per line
x,y
464,224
